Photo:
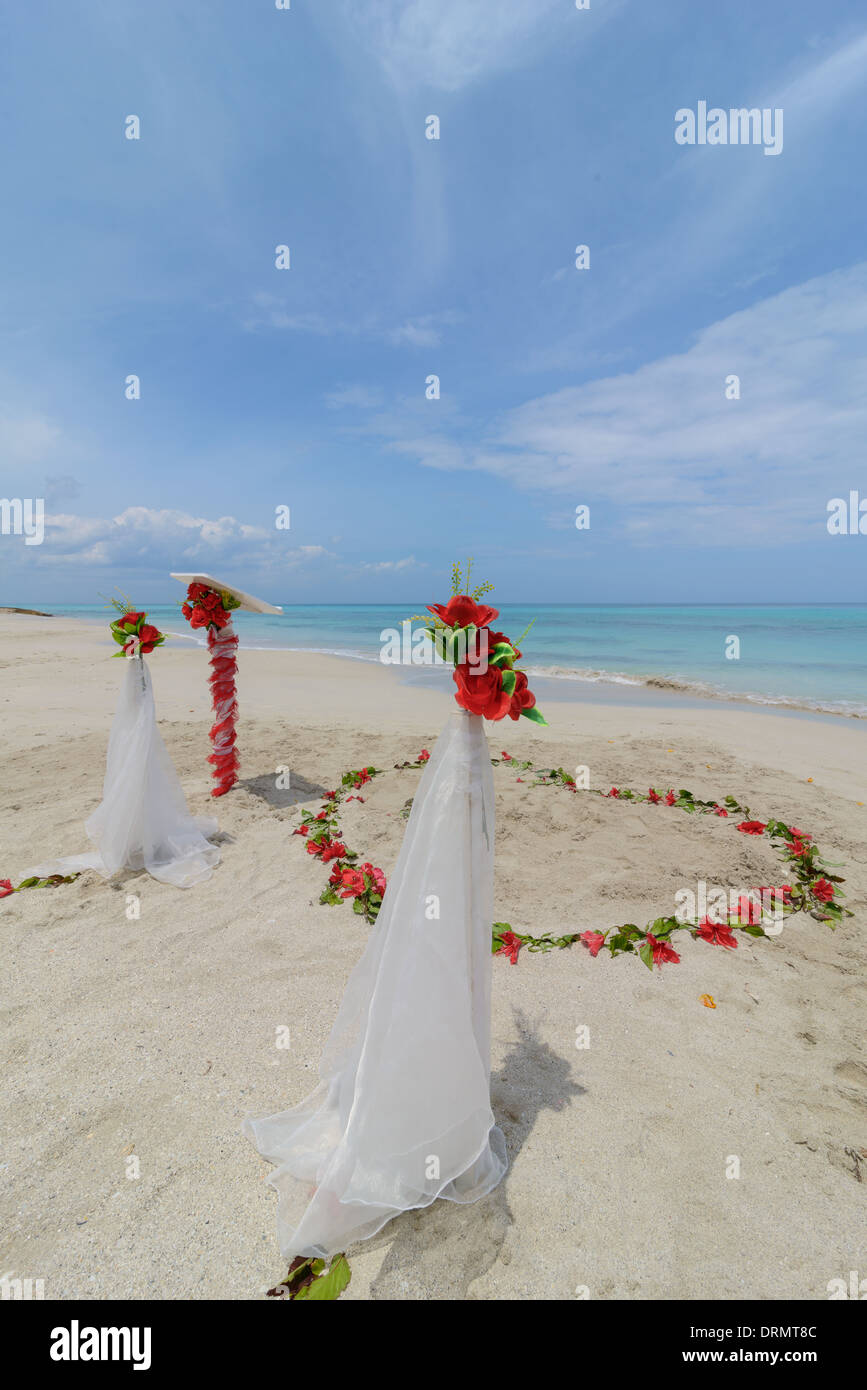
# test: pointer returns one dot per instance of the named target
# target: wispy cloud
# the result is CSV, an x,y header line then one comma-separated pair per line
x,y
667,437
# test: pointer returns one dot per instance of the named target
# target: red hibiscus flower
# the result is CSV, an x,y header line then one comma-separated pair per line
x,y
716,934
481,692
720,811
511,945
653,796
423,756
593,940
507,757
752,827
352,881
333,850
615,791
823,890
749,911
662,952
797,834
670,798
460,611
6,887
301,830
522,698
376,875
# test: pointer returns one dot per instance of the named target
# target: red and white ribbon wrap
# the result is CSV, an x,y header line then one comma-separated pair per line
x,y
223,644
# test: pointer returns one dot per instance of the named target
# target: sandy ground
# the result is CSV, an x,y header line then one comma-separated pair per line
x,y
134,1048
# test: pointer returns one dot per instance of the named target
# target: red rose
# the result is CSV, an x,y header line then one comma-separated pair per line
x,y
186,610
195,592
199,618
148,636
481,692
522,698
752,827
823,890
6,887
211,599
131,620
460,611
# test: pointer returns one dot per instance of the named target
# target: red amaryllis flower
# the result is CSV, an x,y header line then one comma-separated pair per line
x,y
823,890
423,756
653,796
670,798
752,827
460,611
522,698
481,692
716,934
662,952
593,940
148,636
511,945
6,887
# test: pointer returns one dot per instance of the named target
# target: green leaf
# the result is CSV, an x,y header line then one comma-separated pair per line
x,y
646,953
535,715
328,1287
510,680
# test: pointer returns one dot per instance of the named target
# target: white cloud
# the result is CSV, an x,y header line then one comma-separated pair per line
x,y
449,44
666,437
389,566
165,540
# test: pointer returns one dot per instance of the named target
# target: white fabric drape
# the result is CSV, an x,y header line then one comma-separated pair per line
x,y
402,1114
143,821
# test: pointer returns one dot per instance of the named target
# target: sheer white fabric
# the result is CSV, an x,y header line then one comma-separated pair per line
x,y
143,821
402,1114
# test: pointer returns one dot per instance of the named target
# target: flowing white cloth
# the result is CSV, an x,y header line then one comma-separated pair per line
x,y
402,1114
143,821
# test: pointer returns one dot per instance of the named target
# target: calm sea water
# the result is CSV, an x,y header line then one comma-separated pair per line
x,y
812,656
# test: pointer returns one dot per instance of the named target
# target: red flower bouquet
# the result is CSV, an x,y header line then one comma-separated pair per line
x,y
487,681
133,634
206,607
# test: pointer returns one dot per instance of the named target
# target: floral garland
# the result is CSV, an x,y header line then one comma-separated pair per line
x,y
210,608
485,675
813,888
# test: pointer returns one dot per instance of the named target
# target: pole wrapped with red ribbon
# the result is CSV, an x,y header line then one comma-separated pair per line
x,y
223,645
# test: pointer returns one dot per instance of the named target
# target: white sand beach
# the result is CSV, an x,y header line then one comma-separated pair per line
x,y
152,1038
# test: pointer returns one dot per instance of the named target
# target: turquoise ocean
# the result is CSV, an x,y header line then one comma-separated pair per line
x,y
812,657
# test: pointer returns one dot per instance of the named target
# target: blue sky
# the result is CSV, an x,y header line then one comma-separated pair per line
x,y
412,257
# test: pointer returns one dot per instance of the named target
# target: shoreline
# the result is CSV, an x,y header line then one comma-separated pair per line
x,y
554,685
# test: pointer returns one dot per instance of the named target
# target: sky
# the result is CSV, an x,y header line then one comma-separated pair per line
x,y
309,386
